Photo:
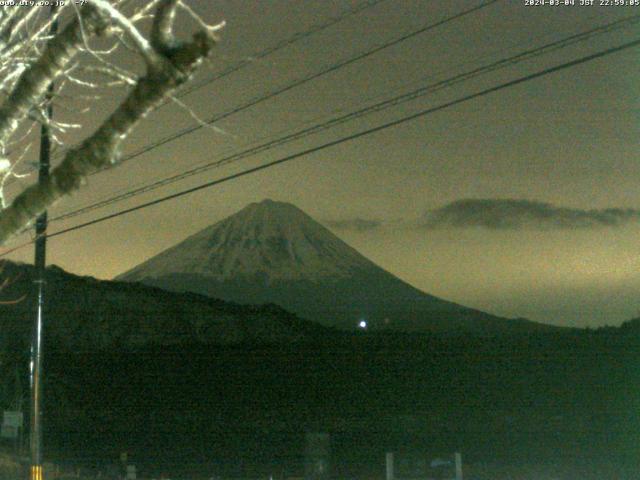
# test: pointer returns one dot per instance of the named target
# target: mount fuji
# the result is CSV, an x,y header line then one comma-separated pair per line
x,y
273,252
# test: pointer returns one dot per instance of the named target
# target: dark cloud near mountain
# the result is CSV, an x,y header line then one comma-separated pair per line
x,y
354,224
503,214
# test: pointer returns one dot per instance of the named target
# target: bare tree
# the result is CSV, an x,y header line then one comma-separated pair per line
x,y
84,54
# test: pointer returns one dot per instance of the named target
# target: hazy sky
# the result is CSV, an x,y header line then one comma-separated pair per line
x,y
564,147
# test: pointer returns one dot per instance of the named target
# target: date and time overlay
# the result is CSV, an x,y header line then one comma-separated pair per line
x,y
581,3
527,3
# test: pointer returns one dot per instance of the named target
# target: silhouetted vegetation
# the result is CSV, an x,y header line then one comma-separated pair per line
x,y
567,399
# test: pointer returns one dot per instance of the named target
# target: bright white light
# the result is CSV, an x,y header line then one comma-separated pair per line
x,y
362,324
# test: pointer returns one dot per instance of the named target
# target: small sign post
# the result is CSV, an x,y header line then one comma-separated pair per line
x,y
389,463
458,459
131,472
416,466
12,422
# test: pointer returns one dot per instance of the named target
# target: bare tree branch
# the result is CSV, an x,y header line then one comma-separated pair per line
x,y
153,59
162,29
178,63
33,83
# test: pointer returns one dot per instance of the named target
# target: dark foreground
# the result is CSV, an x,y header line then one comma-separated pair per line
x,y
536,407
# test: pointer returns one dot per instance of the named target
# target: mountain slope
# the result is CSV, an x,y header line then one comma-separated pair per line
x,y
85,314
274,252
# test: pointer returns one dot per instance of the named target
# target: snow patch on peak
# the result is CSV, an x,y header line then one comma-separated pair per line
x,y
269,241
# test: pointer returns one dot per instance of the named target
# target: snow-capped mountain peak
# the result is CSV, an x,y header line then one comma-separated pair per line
x,y
268,240
273,252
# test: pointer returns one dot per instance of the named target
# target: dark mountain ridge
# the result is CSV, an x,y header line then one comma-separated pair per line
x,y
185,381
83,313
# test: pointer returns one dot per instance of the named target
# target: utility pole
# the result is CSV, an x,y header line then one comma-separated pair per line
x,y
35,438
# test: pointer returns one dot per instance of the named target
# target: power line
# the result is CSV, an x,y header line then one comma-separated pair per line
x,y
296,37
422,113
336,66
299,82
522,56
251,103
290,86
280,45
